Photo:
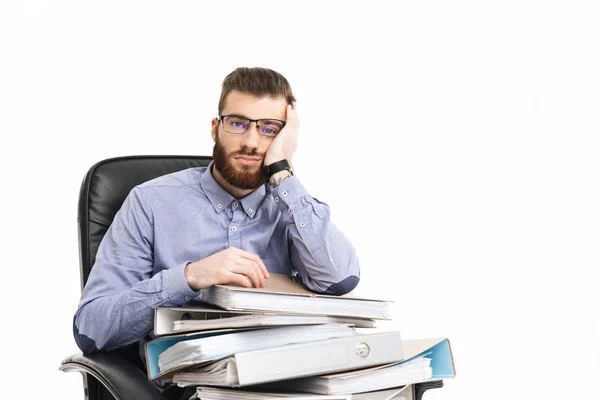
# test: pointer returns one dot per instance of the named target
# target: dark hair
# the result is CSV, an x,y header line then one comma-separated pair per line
x,y
260,82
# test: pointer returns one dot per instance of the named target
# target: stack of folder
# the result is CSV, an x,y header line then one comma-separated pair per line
x,y
284,341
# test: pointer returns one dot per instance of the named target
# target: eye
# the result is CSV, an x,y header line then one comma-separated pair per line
x,y
236,124
270,128
269,131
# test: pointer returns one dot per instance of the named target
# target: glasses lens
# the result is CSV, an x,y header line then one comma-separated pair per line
x,y
235,124
269,127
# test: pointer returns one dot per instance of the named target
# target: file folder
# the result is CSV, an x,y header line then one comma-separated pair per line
x,y
283,295
435,353
210,393
183,353
170,320
299,360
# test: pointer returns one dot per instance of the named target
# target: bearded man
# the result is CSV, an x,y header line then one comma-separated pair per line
x,y
235,221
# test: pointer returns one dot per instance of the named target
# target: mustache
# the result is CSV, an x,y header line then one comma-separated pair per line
x,y
247,152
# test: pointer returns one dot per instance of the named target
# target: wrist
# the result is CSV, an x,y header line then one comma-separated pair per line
x,y
278,177
276,172
189,276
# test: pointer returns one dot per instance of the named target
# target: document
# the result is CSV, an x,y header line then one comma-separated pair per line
x,y
283,295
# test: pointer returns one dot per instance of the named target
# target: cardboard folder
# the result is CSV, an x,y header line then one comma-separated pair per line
x,y
284,295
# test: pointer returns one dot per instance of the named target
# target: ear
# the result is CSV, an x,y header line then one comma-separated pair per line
x,y
214,127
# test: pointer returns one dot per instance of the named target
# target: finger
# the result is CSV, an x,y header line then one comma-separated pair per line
x,y
250,269
240,279
292,117
291,112
255,258
261,265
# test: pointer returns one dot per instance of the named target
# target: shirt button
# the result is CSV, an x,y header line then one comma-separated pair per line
x,y
276,199
284,193
235,204
188,298
249,210
233,228
219,206
302,224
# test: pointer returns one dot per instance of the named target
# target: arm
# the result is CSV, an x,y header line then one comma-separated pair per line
x,y
320,253
118,301
116,306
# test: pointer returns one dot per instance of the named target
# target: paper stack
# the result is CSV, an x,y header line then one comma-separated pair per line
x,y
284,339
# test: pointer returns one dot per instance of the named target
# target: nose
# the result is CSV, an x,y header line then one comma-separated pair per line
x,y
251,137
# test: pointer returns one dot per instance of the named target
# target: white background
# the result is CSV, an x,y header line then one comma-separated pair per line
x,y
456,142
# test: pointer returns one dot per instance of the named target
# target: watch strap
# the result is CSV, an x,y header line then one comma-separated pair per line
x,y
271,169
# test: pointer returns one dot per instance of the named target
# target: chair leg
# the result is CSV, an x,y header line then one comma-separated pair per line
x,y
94,390
421,388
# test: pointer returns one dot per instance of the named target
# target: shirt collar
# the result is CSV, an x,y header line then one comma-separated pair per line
x,y
221,199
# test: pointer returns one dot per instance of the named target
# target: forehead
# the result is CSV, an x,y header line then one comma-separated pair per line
x,y
254,107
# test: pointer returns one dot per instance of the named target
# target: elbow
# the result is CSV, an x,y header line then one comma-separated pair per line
x,y
86,344
343,287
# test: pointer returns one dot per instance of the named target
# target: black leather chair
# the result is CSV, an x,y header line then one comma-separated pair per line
x,y
120,374
115,374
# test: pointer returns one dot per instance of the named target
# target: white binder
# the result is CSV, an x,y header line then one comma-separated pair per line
x,y
299,360
211,393
169,320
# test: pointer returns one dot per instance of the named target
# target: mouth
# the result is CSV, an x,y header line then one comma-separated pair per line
x,y
247,160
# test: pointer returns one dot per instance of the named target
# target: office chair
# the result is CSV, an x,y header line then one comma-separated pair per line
x,y
120,374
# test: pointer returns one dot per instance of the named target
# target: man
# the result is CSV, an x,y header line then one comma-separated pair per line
x,y
231,222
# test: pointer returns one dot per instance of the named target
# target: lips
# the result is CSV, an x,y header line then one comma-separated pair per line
x,y
248,160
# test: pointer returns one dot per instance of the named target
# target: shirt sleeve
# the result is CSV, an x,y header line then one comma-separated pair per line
x,y
117,303
324,258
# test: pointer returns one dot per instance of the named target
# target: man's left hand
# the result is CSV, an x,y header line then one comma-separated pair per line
x,y
284,145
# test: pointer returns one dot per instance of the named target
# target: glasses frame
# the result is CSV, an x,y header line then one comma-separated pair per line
x,y
220,118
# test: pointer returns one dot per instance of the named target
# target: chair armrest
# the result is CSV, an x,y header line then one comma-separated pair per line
x,y
422,387
120,377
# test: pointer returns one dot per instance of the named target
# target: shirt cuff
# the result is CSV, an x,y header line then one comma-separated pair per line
x,y
289,193
176,287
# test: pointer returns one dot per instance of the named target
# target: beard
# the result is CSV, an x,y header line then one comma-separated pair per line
x,y
243,178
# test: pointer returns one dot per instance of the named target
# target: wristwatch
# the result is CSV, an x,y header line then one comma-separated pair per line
x,y
272,169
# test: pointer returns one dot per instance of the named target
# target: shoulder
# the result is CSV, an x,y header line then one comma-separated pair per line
x,y
184,178
174,187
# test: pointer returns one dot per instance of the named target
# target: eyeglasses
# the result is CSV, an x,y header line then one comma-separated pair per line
x,y
237,124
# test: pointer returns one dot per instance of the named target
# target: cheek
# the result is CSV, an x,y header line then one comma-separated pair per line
x,y
229,144
264,146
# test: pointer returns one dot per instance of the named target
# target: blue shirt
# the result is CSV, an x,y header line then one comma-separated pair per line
x,y
186,216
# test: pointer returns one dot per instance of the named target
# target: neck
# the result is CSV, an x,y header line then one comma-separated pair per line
x,y
232,190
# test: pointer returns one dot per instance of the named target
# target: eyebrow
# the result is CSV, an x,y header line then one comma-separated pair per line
x,y
259,119
237,115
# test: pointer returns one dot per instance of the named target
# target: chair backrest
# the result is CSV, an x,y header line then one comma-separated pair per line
x,y
105,187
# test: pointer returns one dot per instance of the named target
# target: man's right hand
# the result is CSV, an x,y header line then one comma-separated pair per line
x,y
228,266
